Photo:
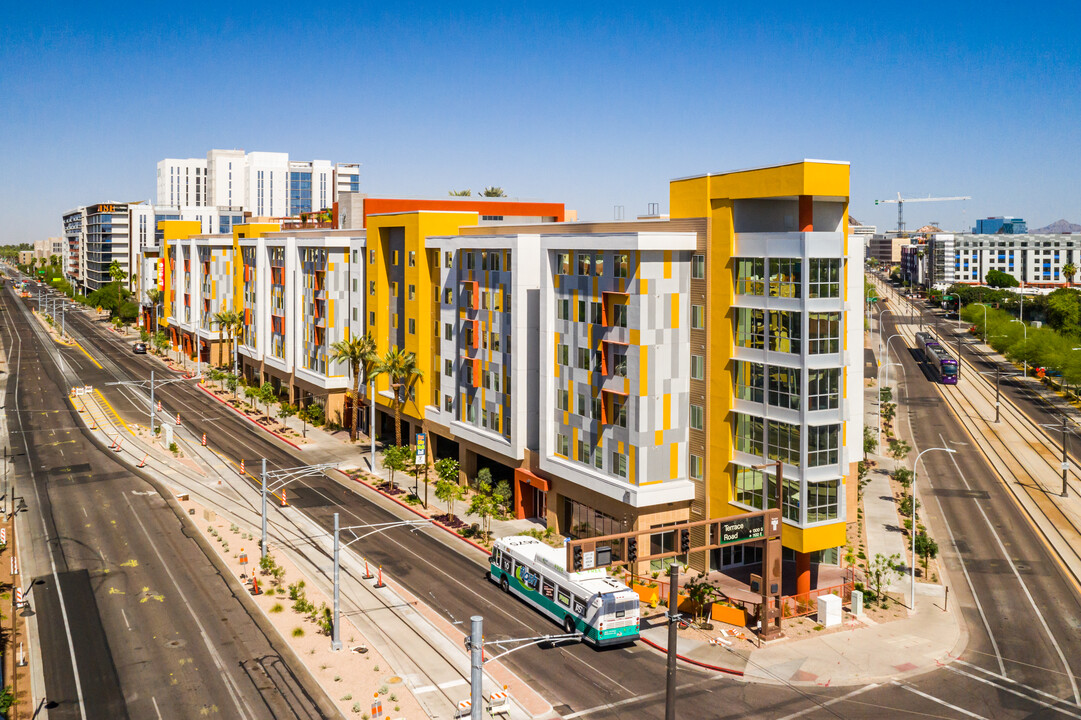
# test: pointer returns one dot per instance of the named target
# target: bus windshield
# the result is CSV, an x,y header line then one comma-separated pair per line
x,y
620,607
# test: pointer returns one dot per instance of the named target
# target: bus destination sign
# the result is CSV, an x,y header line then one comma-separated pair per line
x,y
742,529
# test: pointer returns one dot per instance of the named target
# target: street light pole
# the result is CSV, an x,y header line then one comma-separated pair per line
x,y
262,477
912,567
152,406
1023,325
1065,458
371,419
336,638
476,667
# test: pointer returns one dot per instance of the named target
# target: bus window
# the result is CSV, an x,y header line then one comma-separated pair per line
x,y
508,563
496,555
547,589
563,596
579,606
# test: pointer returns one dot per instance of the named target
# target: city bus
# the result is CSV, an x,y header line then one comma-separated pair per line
x,y
604,610
940,361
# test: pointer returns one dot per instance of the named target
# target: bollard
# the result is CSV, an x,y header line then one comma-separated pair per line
x,y
178,419
159,406
119,442
285,503
204,439
254,585
367,573
142,463
241,466
379,583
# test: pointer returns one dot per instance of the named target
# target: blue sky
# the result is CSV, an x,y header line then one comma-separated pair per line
x,y
594,105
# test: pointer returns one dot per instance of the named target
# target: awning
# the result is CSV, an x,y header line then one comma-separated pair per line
x,y
522,475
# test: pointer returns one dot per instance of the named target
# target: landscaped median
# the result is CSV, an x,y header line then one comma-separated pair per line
x,y
351,677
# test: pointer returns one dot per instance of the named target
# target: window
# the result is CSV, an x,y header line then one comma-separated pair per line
x,y
493,261
394,289
506,302
412,258
506,260
448,368
749,486
750,273
619,364
784,331
354,314
698,317
785,276
583,358
750,328
698,267
598,457
750,381
495,342
371,318
619,412
583,405
448,296
824,388
371,256
484,417
822,501
749,433
622,262
448,331
824,332
789,499
619,464
784,390
596,313
412,292
371,287
582,312
783,442
483,259
822,445
824,278
563,309
412,326
355,283
562,400
584,260
695,467
698,367
563,354
619,315
562,445
583,451
448,403
598,268
563,263
596,403
469,260
487,380
448,258
698,417
470,413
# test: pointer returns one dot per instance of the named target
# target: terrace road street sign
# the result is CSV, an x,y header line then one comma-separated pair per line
x,y
743,529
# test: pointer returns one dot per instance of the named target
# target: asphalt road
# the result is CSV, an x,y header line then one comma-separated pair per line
x,y
616,683
156,631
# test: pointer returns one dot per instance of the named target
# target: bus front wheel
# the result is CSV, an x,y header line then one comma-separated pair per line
x,y
568,624
505,585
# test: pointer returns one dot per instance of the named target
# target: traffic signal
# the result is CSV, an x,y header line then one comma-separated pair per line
x,y
578,558
684,541
632,549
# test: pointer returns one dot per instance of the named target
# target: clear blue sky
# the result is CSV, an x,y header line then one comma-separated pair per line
x,y
591,104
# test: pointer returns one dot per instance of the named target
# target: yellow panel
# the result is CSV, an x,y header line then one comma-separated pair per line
x,y
667,411
675,311
635,335
673,460
574,444
643,286
658,437
643,371
632,473
667,265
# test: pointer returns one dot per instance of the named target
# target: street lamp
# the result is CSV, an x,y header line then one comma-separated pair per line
x,y
984,306
880,314
272,480
912,567
1026,343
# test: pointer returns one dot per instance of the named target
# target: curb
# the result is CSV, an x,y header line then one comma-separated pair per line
x,y
412,509
261,427
707,666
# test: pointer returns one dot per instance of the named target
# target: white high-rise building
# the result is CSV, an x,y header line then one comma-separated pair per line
x,y
264,184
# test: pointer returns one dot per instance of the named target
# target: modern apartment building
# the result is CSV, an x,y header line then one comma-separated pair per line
x,y
1000,226
1034,260
263,184
74,235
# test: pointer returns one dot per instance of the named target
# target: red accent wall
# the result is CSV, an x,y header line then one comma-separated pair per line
x,y
378,206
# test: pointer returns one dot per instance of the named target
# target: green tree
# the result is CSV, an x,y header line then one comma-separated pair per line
x,y
448,490
870,439
231,382
116,272
881,571
358,353
215,375
926,548
251,393
1063,308
903,476
398,458
461,193
268,396
1068,271
899,449
999,279
402,368
699,592
286,411
154,296
483,506
501,495
161,341
493,191
228,322
885,394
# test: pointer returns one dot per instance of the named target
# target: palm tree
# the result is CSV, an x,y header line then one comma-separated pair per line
x,y
461,193
493,191
404,373
1069,270
154,296
227,322
359,353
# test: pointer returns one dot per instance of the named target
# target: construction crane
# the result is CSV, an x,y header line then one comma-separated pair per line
x,y
901,206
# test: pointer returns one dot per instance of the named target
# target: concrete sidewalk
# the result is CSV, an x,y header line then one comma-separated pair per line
x,y
866,653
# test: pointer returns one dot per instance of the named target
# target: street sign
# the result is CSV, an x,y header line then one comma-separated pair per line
x,y
422,450
741,529
589,560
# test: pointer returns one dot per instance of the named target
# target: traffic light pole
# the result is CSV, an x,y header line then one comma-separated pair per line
x,y
673,637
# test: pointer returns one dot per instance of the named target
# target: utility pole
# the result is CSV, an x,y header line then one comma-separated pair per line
x,y
152,406
998,393
673,637
262,543
336,637
476,667
1065,457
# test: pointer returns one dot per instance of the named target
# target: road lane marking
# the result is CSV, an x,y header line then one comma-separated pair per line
x,y
939,701
155,701
425,689
827,703
999,686
1021,582
88,355
451,683
125,616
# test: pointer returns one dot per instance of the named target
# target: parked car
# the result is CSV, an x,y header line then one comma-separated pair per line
x,y
139,348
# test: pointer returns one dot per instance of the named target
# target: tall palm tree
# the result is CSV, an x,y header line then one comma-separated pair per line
x,y
402,368
226,320
359,352
1069,270
154,296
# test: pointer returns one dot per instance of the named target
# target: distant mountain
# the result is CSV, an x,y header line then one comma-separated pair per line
x,y
1059,226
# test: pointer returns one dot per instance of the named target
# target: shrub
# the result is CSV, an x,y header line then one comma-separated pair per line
x,y
298,632
276,608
